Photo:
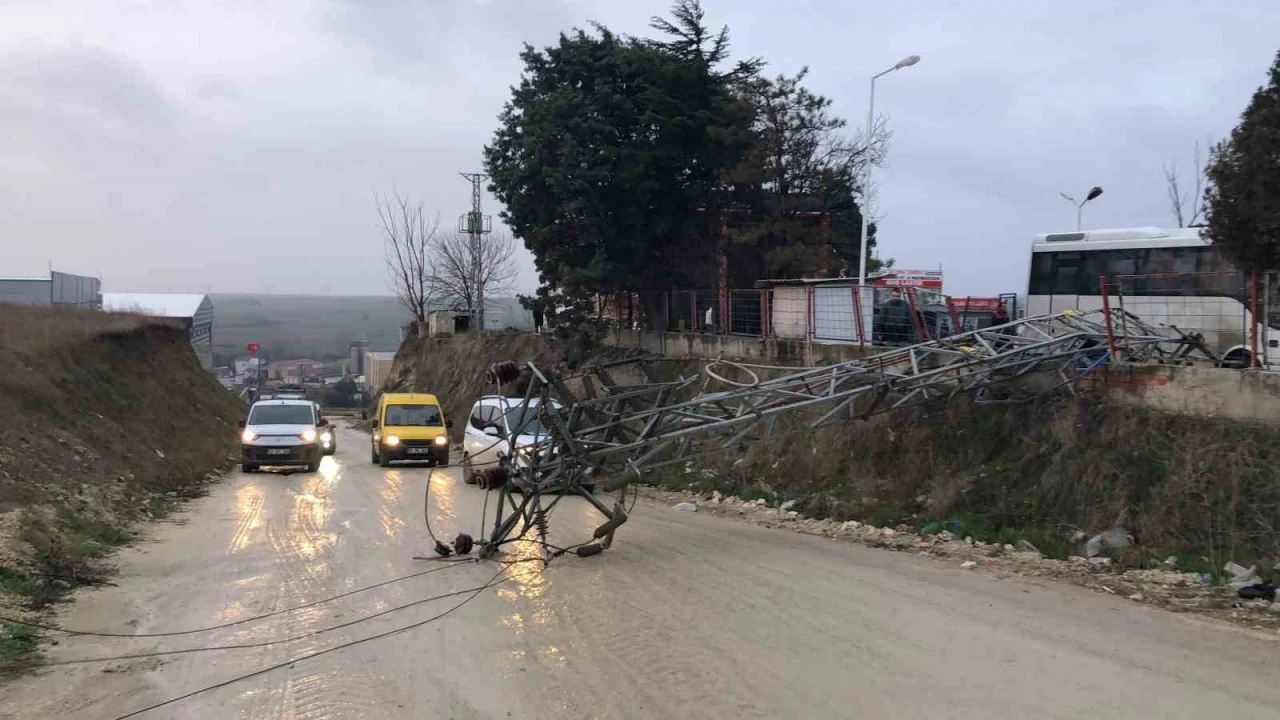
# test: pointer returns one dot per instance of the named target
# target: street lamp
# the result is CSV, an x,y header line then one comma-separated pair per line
x,y
905,62
1094,192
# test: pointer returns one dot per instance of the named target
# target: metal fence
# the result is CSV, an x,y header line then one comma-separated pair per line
x,y
1228,313
828,313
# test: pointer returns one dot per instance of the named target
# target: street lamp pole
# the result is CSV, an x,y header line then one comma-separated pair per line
x,y
905,62
1094,192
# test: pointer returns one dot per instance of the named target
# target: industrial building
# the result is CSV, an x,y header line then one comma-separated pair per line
x,y
377,367
192,311
57,289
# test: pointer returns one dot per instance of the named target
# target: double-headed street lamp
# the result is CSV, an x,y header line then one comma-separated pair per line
x,y
1094,192
905,62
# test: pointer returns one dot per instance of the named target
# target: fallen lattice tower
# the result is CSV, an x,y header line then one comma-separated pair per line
x,y
619,431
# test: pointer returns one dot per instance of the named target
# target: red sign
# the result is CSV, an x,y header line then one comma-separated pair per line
x,y
252,347
975,304
928,279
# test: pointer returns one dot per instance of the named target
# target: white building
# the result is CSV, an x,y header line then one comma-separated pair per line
x,y
194,312
377,369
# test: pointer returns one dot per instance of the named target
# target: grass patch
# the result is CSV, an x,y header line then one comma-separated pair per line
x,y
161,506
67,553
18,644
93,538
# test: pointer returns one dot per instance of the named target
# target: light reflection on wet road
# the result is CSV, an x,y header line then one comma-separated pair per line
x,y
687,617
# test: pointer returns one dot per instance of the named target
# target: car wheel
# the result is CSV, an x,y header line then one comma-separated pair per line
x,y
373,456
313,467
249,467
384,461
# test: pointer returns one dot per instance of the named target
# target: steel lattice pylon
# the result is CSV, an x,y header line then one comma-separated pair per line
x,y
620,431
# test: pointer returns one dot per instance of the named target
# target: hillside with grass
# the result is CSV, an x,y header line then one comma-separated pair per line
x,y
109,420
319,327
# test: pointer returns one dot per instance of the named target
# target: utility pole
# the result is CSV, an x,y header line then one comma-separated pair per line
x,y
477,225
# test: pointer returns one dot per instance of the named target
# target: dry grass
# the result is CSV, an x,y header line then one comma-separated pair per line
x,y
30,330
1207,491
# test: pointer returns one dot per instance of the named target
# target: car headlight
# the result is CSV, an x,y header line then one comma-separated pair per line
x,y
391,441
248,435
442,440
308,436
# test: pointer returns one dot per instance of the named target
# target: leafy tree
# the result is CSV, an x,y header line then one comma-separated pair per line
x,y
1242,202
801,164
609,152
342,394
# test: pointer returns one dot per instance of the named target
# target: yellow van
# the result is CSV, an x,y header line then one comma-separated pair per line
x,y
410,426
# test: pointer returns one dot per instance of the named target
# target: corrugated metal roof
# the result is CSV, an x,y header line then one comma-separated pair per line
x,y
169,305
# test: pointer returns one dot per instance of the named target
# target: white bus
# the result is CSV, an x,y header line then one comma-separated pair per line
x,y
1169,278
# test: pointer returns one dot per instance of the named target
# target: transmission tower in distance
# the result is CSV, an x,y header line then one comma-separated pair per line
x,y
476,224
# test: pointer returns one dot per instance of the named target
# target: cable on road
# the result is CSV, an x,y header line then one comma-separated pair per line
x,y
247,676
280,641
193,631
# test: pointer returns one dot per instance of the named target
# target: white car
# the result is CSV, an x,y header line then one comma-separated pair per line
x,y
282,432
498,427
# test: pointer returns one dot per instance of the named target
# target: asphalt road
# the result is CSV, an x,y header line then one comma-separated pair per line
x,y
688,616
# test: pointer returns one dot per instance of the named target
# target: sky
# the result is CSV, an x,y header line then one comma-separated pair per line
x,y
237,146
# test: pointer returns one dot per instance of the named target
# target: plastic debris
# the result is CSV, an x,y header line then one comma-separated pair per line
x,y
967,564
685,507
1258,591
1111,541
1241,576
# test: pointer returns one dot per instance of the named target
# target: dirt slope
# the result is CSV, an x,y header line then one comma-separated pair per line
x,y
108,419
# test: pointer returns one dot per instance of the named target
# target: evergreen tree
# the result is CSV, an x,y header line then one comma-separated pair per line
x,y
1242,202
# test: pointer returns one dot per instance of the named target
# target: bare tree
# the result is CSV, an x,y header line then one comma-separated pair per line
x,y
468,269
1187,207
409,239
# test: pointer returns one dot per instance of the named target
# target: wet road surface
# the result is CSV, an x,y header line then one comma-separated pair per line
x,y
688,616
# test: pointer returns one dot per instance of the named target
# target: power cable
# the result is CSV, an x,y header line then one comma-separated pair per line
x,y
242,621
318,653
281,641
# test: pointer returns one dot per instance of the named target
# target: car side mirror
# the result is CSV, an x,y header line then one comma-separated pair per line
x,y
322,422
448,424
375,424
240,423
492,431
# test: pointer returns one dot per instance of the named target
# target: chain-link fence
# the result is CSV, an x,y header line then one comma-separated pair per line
x,y
831,313
1216,309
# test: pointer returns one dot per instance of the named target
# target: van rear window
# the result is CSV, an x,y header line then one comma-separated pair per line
x,y
412,415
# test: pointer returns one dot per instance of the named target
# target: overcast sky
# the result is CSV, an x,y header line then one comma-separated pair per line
x,y
235,146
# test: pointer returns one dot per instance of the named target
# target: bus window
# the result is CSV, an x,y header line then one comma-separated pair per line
x,y
1066,273
1041,274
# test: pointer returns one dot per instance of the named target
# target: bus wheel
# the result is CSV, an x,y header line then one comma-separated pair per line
x,y
1237,359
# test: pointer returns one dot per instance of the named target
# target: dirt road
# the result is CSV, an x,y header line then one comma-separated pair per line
x,y
688,616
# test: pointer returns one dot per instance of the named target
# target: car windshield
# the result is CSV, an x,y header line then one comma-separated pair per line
x,y
281,415
412,415
527,418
